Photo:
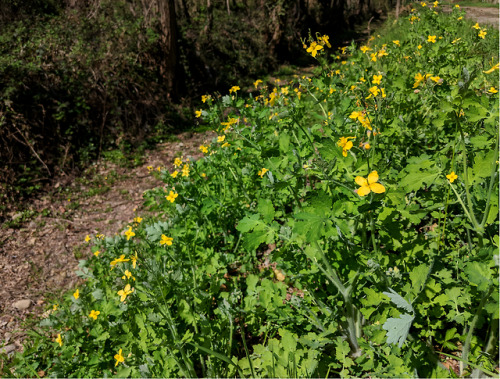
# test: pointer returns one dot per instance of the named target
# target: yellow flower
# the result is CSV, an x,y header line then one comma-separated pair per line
x,y
177,162
221,138
396,42
457,6
150,168
118,260
129,233
314,48
133,258
87,238
262,172
204,98
455,40
419,47
166,240
119,358
364,49
185,170
203,175
54,307
495,67
423,4
76,295
431,39
257,82
345,144
138,219
370,185
373,57
93,314
174,174
419,78
366,146
59,340
377,79
127,275
96,253
197,113
452,176
172,196
492,90
374,91
477,27
225,144
203,149
125,292
435,4
482,33
234,89
325,40
436,79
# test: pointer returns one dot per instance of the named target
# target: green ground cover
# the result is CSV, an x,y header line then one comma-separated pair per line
x,y
343,224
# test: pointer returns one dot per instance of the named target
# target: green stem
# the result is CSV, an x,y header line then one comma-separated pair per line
x,y
468,340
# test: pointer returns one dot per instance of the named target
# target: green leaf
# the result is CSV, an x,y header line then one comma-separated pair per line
x,y
398,300
250,223
418,277
479,275
266,210
398,329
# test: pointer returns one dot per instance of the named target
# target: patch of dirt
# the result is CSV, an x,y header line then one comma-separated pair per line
x,y
40,257
481,15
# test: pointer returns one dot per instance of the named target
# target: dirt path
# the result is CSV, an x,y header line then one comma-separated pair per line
x,y
483,15
39,258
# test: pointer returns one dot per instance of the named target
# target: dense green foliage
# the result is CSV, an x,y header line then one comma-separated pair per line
x,y
77,80
343,224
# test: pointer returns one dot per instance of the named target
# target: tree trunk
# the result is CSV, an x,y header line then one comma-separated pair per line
x,y
164,12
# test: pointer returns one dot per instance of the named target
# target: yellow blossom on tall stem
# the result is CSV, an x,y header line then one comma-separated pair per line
x,y
197,114
495,67
203,149
166,240
59,340
452,176
234,89
133,258
119,358
493,90
257,82
172,196
377,79
345,144
96,253
431,39
129,233
314,48
118,260
482,33
93,314
262,172
125,292
177,162
174,174
369,185
76,295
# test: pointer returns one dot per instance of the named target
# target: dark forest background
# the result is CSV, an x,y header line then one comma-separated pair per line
x,y
81,76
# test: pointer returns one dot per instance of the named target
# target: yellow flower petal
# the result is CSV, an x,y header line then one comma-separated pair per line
x,y
377,187
363,190
373,177
360,181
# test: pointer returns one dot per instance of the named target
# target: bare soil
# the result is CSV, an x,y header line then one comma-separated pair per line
x,y
38,260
